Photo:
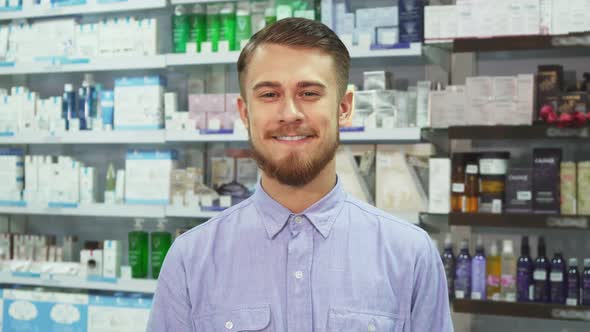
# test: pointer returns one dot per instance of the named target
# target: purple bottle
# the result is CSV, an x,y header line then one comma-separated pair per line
x,y
448,258
573,283
557,278
524,271
586,283
463,273
541,274
478,272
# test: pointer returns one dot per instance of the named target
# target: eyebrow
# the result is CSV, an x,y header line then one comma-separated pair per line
x,y
302,84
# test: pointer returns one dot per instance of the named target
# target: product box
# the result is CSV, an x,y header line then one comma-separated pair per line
x,y
148,176
584,188
200,103
88,185
411,21
549,85
139,103
111,265
87,40
231,102
546,181
217,121
35,310
92,260
571,102
118,312
568,188
439,185
519,190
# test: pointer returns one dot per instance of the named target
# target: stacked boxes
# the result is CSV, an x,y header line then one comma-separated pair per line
x,y
148,178
139,103
11,174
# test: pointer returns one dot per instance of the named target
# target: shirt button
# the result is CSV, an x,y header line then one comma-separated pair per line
x,y
371,328
229,325
298,219
298,274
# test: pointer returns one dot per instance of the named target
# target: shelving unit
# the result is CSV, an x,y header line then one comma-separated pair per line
x,y
68,282
514,220
90,210
525,310
85,9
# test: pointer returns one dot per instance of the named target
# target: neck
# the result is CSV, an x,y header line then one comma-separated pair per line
x,y
297,199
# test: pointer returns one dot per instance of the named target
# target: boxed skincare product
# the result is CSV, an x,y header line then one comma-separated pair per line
x,y
584,188
139,103
568,188
546,174
112,252
92,260
439,184
147,175
518,190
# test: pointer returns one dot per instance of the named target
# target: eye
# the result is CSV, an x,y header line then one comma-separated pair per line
x,y
310,94
268,95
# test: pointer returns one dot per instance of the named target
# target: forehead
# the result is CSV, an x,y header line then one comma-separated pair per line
x,y
285,64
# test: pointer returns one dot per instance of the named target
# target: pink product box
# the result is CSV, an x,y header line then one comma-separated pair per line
x,y
231,102
221,120
200,119
201,103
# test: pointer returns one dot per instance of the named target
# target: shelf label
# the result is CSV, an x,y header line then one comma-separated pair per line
x,y
25,274
570,222
568,132
351,129
524,195
571,314
217,132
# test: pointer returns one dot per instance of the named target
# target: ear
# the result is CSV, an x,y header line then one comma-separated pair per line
x,y
243,109
346,109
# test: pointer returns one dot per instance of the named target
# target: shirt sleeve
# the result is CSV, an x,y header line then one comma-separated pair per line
x,y
171,307
430,300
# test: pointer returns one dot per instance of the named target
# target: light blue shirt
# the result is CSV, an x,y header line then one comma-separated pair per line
x,y
341,265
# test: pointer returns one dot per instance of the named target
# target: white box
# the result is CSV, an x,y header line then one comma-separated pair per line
x,y
120,187
147,175
92,262
87,40
560,17
88,185
112,252
525,107
139,103
439,185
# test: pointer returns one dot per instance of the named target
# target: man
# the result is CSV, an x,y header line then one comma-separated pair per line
x,y
300,255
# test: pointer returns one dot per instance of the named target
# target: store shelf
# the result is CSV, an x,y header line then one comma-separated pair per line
x,y
404,135
526,310
184,212
181,2
511,132
519,43
202,59
519,221
125,62
91,210
195,136
56,281
88,137
414,50
92,8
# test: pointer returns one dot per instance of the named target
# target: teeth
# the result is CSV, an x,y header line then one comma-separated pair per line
x,y
290,138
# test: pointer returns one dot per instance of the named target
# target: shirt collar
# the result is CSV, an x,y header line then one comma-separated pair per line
x,y
321,214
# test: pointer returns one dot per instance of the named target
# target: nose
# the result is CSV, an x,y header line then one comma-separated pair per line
x,y
290,113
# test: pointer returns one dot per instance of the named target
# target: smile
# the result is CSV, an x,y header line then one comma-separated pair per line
x,y
291,138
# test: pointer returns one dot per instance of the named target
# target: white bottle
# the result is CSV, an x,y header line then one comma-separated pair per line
x,y
508,279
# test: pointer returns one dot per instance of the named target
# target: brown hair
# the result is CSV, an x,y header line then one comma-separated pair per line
x,y
303,33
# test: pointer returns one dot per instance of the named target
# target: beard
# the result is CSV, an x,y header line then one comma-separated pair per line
x,y
296,169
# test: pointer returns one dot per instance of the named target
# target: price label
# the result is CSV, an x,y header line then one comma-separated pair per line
x,y
471,169
571,302
556,277
540,275
524,195
459,294
458,188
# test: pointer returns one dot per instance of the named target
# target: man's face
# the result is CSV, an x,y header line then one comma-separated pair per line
x,y
292,109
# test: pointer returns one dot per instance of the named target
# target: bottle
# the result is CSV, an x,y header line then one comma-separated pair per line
x,y
161,242
494,271
213,20
508,279
463,273
458,183
81,97
198,25
228,25
243,23
90,107
573,283
471,201
541,274
110,186
270,16
586,282
557,279
69,104
524,270
448,258
478,272
180,29
138,251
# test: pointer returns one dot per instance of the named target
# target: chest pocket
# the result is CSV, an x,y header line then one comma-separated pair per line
x,y
241,319
349,320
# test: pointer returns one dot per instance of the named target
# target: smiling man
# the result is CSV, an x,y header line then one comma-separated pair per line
x,y
300,255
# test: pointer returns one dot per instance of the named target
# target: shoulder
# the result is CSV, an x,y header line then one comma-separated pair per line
x,y
394,230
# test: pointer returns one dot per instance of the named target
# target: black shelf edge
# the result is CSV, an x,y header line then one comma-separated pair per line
x,y
529,220
517,43
525,310
518,132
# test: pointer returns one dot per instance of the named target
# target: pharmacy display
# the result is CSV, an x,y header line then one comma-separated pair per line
x,y
502,276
